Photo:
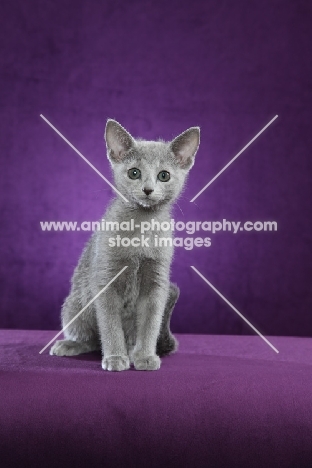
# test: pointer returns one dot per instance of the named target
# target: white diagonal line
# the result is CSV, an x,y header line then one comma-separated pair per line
x,y
84,308
84,158
235,157
235,310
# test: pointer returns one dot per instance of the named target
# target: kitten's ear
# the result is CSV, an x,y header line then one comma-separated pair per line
x,y
185,146
118,140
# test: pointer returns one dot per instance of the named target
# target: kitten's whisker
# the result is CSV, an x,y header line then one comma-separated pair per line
x,y
196,204
179,208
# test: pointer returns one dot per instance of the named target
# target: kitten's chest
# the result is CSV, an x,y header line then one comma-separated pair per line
x,y
130,293
130,236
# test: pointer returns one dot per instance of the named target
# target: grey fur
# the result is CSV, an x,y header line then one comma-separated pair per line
x,y
130,320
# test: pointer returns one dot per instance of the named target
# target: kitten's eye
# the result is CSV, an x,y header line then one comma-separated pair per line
x,y
164,176
134,173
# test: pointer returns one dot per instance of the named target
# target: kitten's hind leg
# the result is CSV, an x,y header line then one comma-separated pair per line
x,y
81,335
166,342
73,348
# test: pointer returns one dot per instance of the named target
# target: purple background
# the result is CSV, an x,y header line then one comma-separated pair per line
x,y
159,68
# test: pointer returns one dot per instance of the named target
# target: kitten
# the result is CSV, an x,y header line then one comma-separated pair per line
x,y
130,320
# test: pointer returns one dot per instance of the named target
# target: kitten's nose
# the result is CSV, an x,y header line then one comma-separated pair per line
x,y
147,191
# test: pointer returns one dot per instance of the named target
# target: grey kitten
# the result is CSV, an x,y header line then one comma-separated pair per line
x,y
130,320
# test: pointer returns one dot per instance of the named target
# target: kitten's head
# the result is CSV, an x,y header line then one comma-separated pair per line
x,y
150,173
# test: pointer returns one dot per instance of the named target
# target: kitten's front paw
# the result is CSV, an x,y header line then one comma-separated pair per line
x,y
147,363
116,363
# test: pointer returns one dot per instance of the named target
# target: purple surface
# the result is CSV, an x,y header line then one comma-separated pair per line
x,y
158,68
220,401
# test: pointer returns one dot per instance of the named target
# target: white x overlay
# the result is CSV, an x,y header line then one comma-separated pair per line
x,y
235,310
193,199
233,159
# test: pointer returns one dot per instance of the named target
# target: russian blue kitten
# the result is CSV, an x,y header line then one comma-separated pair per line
x,y
130,320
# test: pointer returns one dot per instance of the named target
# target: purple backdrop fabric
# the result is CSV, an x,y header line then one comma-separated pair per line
x,y
220,401
158,68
